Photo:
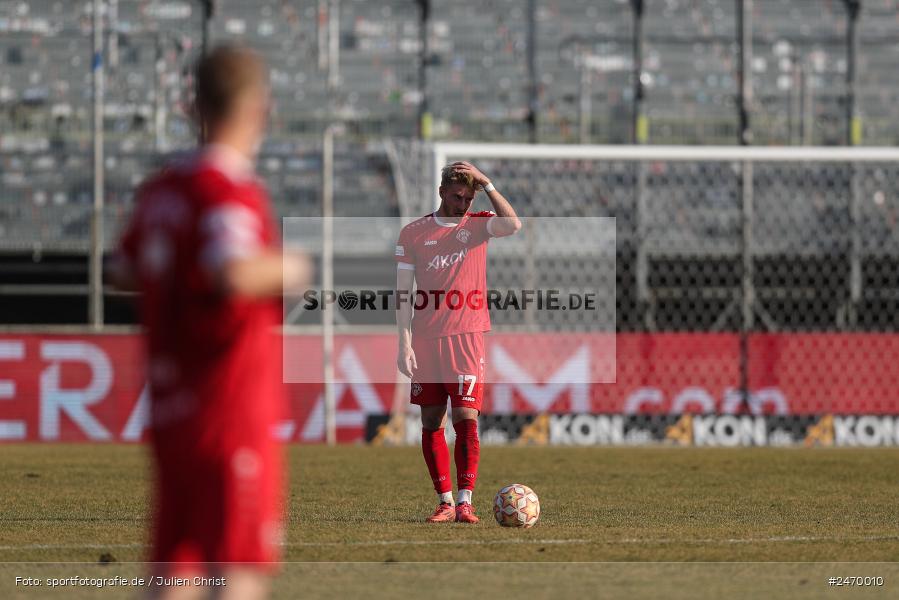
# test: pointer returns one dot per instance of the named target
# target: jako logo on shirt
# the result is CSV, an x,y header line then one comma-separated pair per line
x,y
439,263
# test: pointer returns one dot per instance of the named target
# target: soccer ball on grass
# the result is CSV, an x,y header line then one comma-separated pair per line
x,y
516,505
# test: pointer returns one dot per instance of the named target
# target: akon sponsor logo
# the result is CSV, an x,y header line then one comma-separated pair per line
x,y
440,262
866,430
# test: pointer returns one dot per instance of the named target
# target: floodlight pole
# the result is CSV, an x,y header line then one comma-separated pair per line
x,y
320,39
333,44
95,266
530,233
806,122
424,114
853,138
744,83
640,135
208,12
640,130
159,104
585,91
744,97
208,9
533,84
800,101
853,125
113,51
327,205
328,284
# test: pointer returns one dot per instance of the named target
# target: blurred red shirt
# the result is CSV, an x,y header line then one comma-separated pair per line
x,y
212,359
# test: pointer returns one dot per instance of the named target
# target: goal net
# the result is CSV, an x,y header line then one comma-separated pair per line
x,y
809,227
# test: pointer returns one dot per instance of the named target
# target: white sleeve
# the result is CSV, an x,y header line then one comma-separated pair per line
x,y
230,231
490,224
404,260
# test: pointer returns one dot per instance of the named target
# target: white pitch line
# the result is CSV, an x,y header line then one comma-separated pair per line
x,y
873,538
647,541
70,546
435,542
789,538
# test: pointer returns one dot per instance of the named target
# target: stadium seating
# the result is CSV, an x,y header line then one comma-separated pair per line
x,y
478,80
478,88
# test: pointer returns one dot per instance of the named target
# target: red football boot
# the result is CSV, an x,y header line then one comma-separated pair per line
x,y
443,513
465,513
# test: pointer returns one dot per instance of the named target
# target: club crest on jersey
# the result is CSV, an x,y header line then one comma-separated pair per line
x,y
416,388
463,236
439,262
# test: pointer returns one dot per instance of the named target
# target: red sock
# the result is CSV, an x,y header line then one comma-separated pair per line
x,y
467,453
433,446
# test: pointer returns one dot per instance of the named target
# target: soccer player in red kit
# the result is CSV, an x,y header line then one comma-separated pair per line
x,y
203,251
441,347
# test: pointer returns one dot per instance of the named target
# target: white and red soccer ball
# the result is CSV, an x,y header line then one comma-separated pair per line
x,y
516,505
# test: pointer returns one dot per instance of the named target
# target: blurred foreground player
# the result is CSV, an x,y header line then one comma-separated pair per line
x,y
441,347
203,251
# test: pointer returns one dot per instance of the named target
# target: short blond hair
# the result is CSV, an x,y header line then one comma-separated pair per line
x,y
449,175
222,75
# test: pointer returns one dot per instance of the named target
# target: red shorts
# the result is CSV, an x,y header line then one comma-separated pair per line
x,y
451,366
217,507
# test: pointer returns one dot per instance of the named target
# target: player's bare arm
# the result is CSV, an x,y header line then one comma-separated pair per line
x,y
266,274
507,221
405,360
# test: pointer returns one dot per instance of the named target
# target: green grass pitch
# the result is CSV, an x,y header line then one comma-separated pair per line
x,y
652,516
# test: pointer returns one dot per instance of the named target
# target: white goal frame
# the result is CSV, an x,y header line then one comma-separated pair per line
x,y
442,151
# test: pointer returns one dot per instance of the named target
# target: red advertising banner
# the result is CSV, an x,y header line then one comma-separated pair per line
x,y
91,387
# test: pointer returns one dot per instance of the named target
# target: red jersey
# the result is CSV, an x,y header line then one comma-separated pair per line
x,y
214,360
450,264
